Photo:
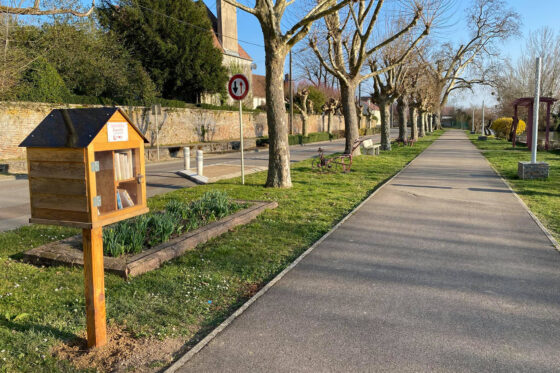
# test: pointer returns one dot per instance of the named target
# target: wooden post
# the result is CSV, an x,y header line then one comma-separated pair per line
x,y
514,127
94,287
529,129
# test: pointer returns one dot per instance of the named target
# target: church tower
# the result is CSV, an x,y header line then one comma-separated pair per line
x,y
227,27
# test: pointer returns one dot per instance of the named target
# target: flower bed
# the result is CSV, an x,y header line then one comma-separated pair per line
x,y
146,231
143,244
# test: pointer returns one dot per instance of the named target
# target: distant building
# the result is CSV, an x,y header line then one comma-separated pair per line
x,y
259,90
236,59
448,116
367,103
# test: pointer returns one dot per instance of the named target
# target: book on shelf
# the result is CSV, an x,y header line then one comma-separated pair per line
x,y
123,165
129,158
117,167
119,201
123,195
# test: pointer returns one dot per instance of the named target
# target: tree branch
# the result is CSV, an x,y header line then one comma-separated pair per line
x,y
36,11
244,8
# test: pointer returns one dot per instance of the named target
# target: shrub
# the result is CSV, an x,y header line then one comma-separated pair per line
x,y
369,131
314,137
502,127
42,83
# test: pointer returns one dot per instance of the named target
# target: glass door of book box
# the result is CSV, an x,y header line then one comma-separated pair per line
x,y
116,181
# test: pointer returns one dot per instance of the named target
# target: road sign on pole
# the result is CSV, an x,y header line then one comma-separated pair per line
x,y
238,87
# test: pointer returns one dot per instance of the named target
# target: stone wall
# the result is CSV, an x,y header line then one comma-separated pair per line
x,y
177,126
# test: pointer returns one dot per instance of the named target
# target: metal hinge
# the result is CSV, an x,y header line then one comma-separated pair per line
x,y
95,166
97,201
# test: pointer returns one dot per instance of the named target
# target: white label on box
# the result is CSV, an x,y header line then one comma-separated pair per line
x,y
117,131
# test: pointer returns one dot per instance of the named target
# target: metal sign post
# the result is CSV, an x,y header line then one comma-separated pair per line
x,y
238,87
483,118
536,110
156,110
241,143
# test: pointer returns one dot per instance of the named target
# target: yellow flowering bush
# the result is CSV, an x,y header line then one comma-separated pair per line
x,y
502,127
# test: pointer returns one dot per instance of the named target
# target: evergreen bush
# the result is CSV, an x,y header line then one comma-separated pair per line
x,y
42,83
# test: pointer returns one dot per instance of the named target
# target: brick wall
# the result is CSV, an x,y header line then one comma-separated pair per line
x,y
180,126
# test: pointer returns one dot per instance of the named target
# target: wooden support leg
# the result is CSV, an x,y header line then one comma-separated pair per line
x,y
94,287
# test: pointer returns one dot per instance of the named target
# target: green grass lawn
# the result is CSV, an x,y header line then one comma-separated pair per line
x,y
542,196
187,297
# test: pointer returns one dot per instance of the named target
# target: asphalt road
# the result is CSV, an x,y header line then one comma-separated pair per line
x,y
161,178
442,271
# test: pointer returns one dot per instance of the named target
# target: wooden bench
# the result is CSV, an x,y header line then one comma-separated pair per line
x,y
370,148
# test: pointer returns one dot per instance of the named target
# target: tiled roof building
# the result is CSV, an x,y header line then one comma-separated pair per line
x,y
236,59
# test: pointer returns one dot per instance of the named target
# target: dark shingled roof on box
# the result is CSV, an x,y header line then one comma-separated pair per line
x,y
53,131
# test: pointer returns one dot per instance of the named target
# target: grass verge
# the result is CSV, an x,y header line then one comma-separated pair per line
x,y
541,196
187,297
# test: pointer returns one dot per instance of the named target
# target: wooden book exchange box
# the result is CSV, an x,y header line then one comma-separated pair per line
x,y
86,168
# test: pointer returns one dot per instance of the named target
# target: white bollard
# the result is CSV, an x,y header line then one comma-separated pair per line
x,y
187,158
199,162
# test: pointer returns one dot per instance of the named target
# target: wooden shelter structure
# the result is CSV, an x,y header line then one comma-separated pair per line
x,y
529,103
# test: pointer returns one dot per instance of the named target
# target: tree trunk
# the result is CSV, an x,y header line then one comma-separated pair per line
x,y
304,118
350,116
413,123
402,109
279,151
359,118
384,107
437,117
432,120
422,125
329,121
368,122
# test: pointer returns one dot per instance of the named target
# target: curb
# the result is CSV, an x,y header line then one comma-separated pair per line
x,y
193,176
523,204
214,333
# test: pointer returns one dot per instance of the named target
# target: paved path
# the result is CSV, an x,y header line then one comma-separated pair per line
x,y
160,177
441,271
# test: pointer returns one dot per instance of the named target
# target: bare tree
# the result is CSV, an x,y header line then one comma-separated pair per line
x,y
385,92
516,79
310,69
303,95
36,10
489,21
392,85
277,45
349,50
330,108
